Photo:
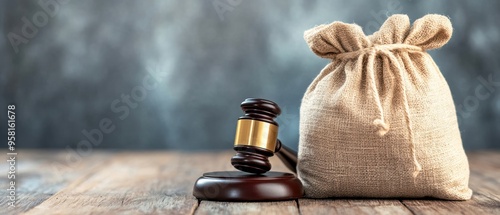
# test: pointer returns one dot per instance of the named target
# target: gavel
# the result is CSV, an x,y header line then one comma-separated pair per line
x,y
256,138
255,141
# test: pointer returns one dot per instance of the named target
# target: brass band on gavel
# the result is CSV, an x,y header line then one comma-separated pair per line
x,y
256,133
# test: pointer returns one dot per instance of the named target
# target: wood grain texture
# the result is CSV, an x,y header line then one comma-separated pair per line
x,y
40,174
351,206
485,183
136,183
485,173
479,204
161,183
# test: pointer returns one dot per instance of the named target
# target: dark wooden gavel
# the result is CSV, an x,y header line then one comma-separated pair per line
x,y
257,138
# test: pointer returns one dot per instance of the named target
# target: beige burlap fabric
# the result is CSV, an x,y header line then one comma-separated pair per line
x,y
379,120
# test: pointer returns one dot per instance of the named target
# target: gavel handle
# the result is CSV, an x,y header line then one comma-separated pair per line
x,y
287,155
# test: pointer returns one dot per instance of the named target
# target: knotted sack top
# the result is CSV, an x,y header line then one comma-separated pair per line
x,y
341,41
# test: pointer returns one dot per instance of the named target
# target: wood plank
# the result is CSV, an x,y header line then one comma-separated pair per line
x,y
485,174
136,183
479,204
40,174
487,162
485,183
351,206
161,183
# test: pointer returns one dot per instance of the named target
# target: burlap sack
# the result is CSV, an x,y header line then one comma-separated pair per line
x,y
379,120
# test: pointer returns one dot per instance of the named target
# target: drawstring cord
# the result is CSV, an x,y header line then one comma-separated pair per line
x,y
379,123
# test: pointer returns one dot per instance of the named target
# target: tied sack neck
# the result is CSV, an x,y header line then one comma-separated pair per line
x,y
380,123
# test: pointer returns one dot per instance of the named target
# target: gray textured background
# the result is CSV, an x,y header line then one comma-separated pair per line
x,y
207,56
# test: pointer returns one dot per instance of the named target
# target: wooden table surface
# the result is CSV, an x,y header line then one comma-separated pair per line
x,y
161,182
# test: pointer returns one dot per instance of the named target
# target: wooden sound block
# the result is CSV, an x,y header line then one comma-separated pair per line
x,y
238,186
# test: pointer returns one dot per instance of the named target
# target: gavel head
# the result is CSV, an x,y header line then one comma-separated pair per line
x,y
256,136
